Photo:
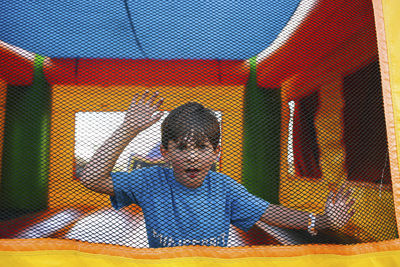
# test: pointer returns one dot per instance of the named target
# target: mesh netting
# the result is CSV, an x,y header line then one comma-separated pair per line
x,y
92,153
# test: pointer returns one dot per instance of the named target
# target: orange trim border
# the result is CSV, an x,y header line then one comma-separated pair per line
x,y
209,252
388,105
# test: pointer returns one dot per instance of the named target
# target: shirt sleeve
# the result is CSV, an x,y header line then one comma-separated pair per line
x,y
128,187
246,209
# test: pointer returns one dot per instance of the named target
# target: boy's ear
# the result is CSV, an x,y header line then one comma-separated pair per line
x,y
164,151
217,151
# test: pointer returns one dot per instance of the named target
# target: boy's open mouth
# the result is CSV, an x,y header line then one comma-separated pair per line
x,y
192,172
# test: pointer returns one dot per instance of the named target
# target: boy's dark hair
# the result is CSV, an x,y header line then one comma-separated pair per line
x,y
191,119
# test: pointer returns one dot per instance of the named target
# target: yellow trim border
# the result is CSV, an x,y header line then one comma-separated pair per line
x,y
70,258
78,258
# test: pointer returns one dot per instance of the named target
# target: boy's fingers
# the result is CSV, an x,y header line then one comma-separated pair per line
x,y
340,194
134,100
329,201
159,103
152,98
330,196
351,203
156,106
348,216
352,212
144,96
348,193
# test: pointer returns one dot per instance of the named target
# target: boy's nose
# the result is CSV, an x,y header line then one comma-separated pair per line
x,y
192,155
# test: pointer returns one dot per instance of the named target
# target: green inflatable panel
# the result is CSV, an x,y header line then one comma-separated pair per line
x,y
25,160
261,147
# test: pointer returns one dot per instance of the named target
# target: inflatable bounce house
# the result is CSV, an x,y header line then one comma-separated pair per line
x,y
306,92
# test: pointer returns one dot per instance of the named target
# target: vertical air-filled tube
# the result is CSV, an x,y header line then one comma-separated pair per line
x,y
25,160
261,145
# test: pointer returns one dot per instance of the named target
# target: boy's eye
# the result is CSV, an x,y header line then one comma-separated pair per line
x,y
202,146
181,147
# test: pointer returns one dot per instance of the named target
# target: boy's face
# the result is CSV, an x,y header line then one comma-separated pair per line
x,y
191,160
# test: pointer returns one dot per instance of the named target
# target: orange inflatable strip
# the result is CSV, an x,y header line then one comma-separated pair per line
x,y
213,252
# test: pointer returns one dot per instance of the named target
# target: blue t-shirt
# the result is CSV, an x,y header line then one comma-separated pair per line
x,y
176,215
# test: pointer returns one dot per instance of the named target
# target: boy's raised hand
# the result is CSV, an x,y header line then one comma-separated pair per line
x,y
338,208
143,112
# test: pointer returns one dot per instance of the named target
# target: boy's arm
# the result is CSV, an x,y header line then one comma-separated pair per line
x,y
338,211
140,115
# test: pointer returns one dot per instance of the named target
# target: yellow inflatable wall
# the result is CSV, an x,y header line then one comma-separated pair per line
x,y
63,129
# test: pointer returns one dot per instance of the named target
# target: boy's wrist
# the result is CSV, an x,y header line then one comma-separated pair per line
x,y
125,132
322,222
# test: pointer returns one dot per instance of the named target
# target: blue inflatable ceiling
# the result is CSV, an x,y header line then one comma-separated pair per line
x,y
155,29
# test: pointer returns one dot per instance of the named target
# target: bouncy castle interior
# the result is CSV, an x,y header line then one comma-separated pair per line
x,y
307,93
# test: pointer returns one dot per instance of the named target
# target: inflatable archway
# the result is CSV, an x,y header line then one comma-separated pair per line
x,y
311,106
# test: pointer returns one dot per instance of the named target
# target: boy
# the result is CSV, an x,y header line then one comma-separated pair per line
x,y
188,204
